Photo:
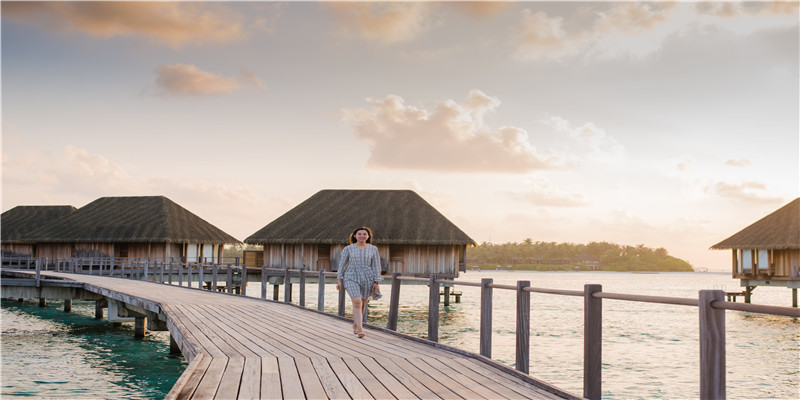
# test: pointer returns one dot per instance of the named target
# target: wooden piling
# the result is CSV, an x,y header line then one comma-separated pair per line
x,y
302,288
794,297
592,342
243,281
433,310
173,345
523,331
98,309
486,318
275,290
287,286
394,302
42,302
341,302
67,305
321,292
447,296
139,324
263,282
712,345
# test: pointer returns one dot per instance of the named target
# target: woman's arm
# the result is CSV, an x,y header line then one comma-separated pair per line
x,y
377,262
343,262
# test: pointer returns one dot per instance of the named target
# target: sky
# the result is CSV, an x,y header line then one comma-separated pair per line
x,y
666,124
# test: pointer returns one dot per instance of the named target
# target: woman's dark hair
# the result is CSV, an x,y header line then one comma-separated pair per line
x,y
361,228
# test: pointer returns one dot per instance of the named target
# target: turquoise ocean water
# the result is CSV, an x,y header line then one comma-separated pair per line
x,y
650,351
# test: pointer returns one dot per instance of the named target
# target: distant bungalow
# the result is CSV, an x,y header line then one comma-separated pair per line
x,y
767,253
144,227
22,220
412,237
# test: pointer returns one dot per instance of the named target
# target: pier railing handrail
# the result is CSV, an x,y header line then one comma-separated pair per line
x,y
710,303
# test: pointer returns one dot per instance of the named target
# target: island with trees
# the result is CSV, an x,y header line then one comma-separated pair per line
x,y
552,256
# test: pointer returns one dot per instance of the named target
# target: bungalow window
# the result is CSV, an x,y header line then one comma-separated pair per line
x,y
763,259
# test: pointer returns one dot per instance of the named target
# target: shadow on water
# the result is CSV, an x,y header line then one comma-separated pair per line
x,y
49,353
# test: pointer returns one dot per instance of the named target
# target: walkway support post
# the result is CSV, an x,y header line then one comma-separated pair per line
x,y
523,327
394,302
229,279
486,318
243,282
321,292
139,324
433,310
287,286
67,305
263,282
712,345
592,342
342,293
302,287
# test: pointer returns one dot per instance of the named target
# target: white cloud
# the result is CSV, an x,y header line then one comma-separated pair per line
x,y
451,138
743,162
749,192
593,138
386,22
171,23
187,80
541,192
251,79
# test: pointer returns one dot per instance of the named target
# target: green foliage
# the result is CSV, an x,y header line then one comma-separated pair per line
x,y
236,250
552,256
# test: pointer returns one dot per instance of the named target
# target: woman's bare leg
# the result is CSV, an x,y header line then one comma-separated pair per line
x,y
358,311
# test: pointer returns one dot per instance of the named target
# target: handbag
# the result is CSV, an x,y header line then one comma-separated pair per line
x,y
376,294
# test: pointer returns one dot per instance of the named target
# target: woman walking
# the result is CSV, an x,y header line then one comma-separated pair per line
x,y
359,273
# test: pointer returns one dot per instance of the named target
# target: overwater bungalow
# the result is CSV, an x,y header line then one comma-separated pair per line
x,y
151,227
767,253
20,221
412,237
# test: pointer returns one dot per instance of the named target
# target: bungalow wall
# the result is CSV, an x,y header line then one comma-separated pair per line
x,y
406,259
18,250
762,262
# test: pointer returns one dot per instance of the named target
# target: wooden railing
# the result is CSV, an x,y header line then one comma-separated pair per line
x,y
711,306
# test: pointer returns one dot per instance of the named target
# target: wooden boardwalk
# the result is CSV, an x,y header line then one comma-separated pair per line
x,y
246,348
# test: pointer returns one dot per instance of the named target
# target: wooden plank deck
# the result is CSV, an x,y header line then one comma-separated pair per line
x,y
246,348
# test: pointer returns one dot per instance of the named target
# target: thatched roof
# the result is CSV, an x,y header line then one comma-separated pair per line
x,y
779,230
148,219
395,217
21,220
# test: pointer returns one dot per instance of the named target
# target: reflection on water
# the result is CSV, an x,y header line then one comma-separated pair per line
x,y
52,354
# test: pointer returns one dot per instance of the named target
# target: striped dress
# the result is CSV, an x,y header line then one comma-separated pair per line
x,y
359,268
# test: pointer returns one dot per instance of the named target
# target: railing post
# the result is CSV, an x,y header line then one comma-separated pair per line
x,y
287,286
243,281
341,302
523,326
263,282
433,310
214,278
486,318
394,302
188,274
38,273
180,273
321,292
200,277
146,266
229,280
592,342
712,345
302,287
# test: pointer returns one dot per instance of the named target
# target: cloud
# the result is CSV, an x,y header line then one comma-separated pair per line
x,y
479,9
541,192
749,192
251,79
385,22
451,138
592,137
540,36
187,80
738,163
171,23
734,9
